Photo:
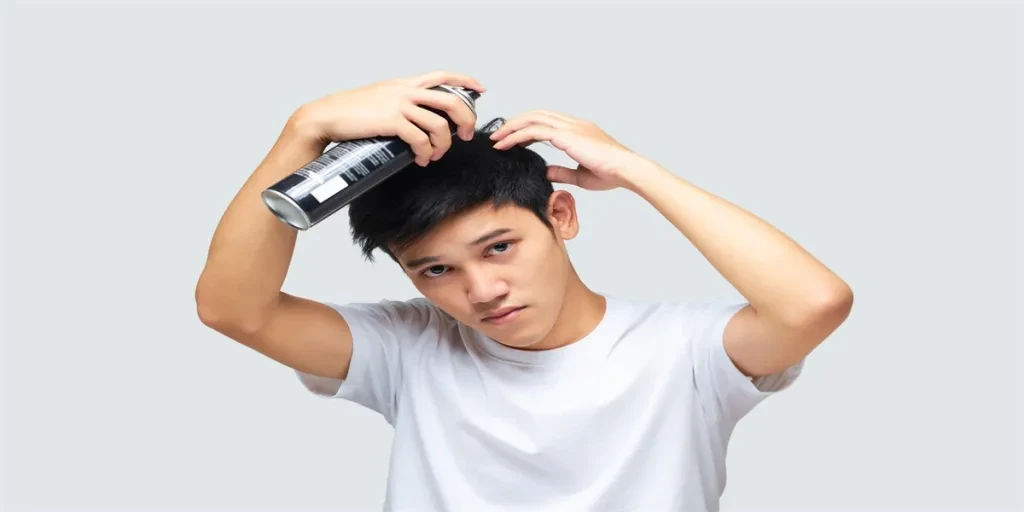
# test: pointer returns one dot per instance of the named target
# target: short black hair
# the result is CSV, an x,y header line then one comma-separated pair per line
x,y
407,205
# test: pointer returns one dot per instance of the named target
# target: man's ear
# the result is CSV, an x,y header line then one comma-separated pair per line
x,y
562,214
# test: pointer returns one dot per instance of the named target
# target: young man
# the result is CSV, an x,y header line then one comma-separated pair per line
x,y
510,384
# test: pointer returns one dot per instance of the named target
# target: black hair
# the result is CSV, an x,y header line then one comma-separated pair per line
x,y
407,205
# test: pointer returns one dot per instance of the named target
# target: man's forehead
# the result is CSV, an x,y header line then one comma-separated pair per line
x,y
466,228
463,237
463,232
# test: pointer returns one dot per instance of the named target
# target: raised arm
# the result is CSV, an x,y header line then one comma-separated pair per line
x,y
239,291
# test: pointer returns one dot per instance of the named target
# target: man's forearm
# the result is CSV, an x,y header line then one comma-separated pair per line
x,y
777,276
251,249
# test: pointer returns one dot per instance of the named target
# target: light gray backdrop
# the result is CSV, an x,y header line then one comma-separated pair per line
x,y
886,140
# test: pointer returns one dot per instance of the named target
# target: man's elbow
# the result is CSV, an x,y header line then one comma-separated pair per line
x,y
225,316
835,307
828,311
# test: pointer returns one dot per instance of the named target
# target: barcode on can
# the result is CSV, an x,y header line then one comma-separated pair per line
x,y
329,188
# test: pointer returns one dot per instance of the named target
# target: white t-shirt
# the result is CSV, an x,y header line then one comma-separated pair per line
x,y
636,416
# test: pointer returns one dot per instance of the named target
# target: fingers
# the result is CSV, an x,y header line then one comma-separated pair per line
x,y
531,133
542,117
455,108
417,139
435,126
447,77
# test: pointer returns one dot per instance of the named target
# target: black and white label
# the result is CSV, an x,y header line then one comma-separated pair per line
x,y
345,164
329,188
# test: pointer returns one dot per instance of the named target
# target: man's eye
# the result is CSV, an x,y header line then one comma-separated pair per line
x,y
434,271
501,247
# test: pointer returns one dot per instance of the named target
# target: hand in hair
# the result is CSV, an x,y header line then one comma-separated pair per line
x,y
603,161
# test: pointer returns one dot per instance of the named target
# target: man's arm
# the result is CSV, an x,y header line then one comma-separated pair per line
x,y
239,291
795,301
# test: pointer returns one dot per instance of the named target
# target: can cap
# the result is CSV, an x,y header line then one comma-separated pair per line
x,y
493,125
468,96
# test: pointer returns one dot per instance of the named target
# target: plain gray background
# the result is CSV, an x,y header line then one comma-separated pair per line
x,y
885,139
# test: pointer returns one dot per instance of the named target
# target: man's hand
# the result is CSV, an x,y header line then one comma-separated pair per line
x,y
604,163
393,107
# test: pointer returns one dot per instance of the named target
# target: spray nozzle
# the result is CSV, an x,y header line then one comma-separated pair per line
x,y
493,125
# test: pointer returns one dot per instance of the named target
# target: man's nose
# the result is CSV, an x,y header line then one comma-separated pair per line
x,y
483,286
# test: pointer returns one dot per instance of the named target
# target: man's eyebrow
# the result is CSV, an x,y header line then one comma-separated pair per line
x,y
482,239
421,261
492,234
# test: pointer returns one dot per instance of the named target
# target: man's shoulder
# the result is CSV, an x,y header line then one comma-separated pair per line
x,y
682,309
386,304
416,313
689,303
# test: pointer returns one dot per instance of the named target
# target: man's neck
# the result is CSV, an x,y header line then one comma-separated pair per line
x,y
582,310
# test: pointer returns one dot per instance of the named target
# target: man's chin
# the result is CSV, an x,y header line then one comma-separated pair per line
x,y
524,340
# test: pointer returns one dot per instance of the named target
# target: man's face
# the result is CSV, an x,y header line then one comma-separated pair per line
x,y
491,261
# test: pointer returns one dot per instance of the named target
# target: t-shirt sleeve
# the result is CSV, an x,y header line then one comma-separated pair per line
x,y
383,335
725,393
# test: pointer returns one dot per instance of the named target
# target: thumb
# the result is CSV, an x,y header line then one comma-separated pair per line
x,y
560,174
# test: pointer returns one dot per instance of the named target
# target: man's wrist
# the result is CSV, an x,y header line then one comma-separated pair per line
x,y
303,128
642,174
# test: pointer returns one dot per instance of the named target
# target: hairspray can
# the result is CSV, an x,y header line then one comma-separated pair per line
x,y
346,171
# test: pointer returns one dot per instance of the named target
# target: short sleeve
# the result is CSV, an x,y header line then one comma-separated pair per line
x,y
725,393
383,335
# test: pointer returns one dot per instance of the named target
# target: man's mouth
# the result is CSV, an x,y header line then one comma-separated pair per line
x,y
503,315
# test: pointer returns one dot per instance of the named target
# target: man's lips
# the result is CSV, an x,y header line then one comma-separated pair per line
x,y
502,314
